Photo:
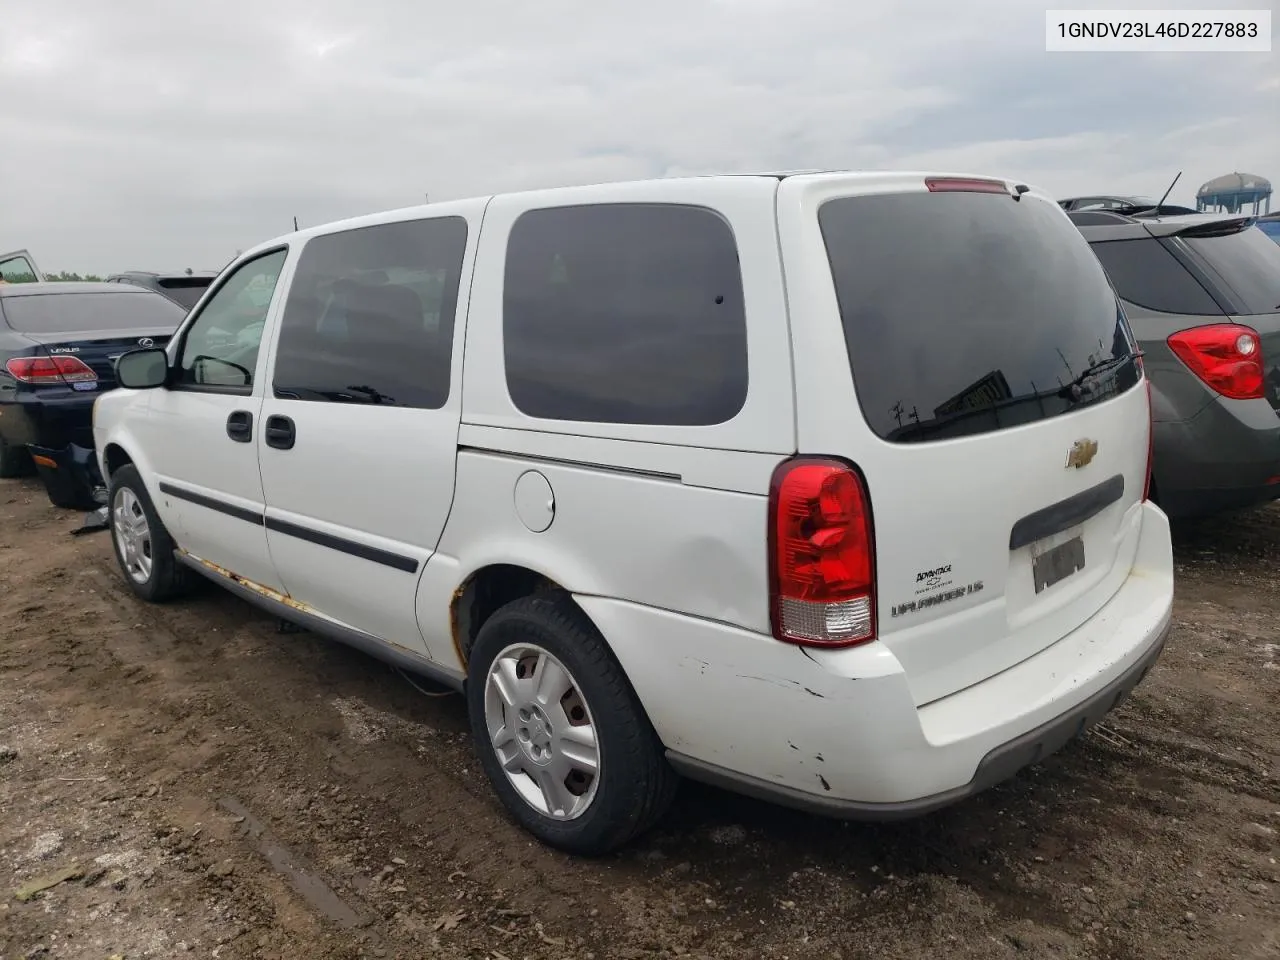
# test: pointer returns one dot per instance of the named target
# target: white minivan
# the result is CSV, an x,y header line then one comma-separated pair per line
x,y
825,488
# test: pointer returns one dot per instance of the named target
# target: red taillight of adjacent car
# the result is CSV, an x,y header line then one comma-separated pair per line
x,y
50,370
821,554
1226,356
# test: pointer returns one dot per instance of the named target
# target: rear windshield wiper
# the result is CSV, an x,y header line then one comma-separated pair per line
x,y
1066,392
935,424
1102,366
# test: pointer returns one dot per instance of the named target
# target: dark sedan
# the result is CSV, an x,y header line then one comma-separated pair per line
x,y
58,347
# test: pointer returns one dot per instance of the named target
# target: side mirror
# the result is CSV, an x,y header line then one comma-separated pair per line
x,y
143,369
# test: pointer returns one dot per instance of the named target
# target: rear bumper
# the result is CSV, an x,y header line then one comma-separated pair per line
x,y
71,469
838,732
1227,457
52,418
997,766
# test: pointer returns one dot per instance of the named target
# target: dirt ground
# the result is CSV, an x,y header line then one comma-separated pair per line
x,y
210,787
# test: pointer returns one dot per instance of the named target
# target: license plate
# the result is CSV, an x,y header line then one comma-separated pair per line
x,y
1057,563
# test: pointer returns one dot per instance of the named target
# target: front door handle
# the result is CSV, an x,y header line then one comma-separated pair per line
x,y
240,426
280,433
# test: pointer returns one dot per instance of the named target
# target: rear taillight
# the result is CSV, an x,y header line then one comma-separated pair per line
x,y
46,370
1226,356
821,554
964,185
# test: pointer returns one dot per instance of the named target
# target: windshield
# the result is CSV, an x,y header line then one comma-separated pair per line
x,y
1249,264
1271,228
965,313
90,312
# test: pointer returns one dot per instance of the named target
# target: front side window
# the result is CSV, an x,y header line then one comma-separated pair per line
x,y
625,313
370,316
220,348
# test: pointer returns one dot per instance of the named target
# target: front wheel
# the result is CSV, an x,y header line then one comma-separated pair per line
x,y
142,545
560,733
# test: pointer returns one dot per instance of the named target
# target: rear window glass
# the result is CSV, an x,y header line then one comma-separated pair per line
x,y
966,313
1271,228
625,313
1248,263
1146,274
186,290
90,312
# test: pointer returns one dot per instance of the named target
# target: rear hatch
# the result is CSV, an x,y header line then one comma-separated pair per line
x,y
1243,265
95,328
1000,381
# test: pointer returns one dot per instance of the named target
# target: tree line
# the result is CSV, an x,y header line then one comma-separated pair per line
x,y
62,275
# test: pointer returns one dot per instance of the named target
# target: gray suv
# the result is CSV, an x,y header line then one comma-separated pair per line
x,y
1202,294
183,289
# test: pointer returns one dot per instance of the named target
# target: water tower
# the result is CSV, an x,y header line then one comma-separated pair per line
x,y
1235,193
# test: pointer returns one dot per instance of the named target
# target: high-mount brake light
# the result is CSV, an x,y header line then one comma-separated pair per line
x,y
821,554
50,370
965,185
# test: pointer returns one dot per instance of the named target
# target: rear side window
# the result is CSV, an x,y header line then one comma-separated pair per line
x,y
1146,274
91,312
370,316
625,313
966,313
1248,262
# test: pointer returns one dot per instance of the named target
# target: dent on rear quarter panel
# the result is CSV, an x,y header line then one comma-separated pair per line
x,y
655,542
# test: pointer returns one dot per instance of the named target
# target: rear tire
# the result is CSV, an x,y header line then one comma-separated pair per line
x,y
143,547
14,461
548,701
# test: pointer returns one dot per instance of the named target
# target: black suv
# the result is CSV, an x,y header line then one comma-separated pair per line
x,y
183,289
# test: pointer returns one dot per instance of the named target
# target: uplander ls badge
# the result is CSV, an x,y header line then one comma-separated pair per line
x,y
1081,453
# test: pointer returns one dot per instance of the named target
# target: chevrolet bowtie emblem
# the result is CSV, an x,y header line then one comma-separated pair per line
x,y
1081,453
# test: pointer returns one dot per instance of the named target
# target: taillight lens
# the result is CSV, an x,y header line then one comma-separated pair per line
x,y
46,370
1226,356
964,185
821,554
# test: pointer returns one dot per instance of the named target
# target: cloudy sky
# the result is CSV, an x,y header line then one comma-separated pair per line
x,y
160,134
